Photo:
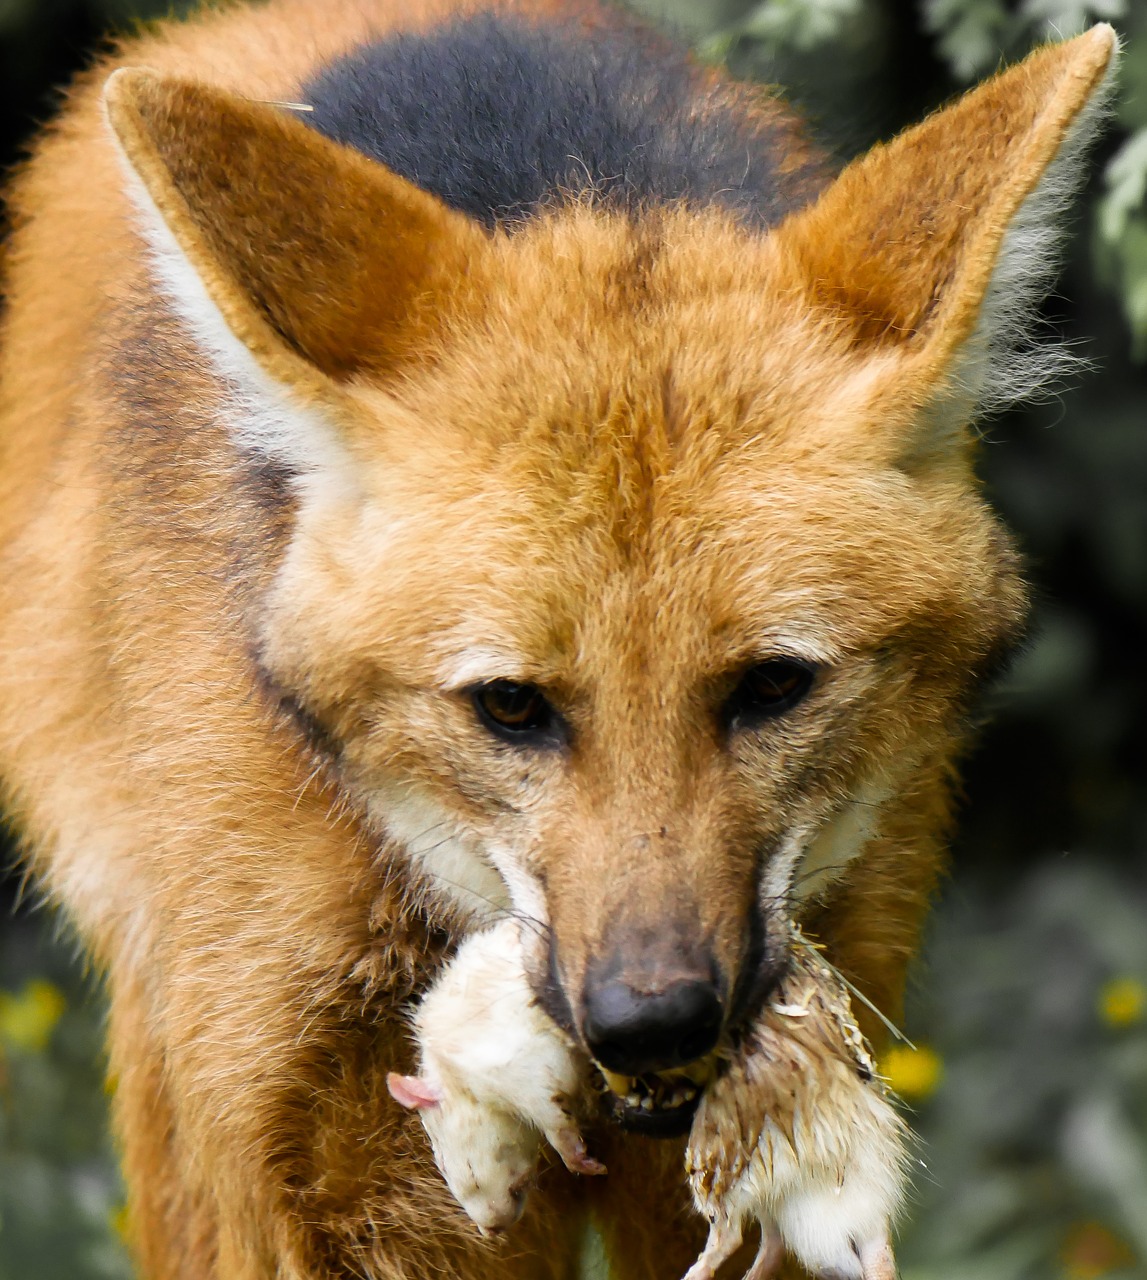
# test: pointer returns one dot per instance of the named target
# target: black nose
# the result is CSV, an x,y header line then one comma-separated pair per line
x,y
632,1032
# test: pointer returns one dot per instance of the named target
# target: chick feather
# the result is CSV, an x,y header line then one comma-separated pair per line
x,y
799,1134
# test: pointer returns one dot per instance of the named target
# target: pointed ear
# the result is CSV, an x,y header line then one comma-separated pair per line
x,y
413,1091
315,257
933,250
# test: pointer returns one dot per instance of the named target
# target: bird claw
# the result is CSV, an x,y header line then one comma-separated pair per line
x,y
724,1240
877,1261
769,1255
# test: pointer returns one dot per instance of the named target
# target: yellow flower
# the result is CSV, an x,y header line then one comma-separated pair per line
x,y
27,1020
1090,1250
912,1073
120,1223
1122,1002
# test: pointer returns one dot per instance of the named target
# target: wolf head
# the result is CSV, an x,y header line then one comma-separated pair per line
x,y
636,577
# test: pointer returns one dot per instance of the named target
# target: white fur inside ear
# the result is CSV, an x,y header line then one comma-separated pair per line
x,y
1005,362
259,413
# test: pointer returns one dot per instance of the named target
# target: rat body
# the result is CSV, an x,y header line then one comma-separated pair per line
x,y
496,1076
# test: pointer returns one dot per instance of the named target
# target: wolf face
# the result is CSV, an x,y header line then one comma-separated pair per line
x,y
636,578
634,652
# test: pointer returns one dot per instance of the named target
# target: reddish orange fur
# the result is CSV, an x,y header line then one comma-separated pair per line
x,y
630,458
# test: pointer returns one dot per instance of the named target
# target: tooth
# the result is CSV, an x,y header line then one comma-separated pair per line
x,y
647,1103
633,1099
621,1085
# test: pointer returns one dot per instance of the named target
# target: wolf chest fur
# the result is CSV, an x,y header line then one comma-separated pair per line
x,y
529,481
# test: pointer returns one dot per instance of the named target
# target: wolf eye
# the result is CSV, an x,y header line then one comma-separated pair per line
x,y
516,712
768,689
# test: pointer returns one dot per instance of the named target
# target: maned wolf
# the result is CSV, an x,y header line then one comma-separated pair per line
x,y
462,460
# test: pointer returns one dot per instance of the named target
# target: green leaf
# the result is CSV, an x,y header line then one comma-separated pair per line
x,y
1125,180
970,33
799,24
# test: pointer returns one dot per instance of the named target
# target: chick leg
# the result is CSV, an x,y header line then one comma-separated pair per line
x,y
877,1260
769,1255
724,1241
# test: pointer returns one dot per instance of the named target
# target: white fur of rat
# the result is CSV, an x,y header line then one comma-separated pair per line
x,y
496,1074
799,1135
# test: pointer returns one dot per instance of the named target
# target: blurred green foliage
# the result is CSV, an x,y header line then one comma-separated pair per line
x,y
59,1189
1029,1081
1034,1144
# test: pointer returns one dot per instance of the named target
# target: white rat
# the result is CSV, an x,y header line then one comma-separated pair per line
x,y
496,1075
799,1135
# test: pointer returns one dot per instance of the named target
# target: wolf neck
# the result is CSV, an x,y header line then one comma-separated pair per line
x,y
500,116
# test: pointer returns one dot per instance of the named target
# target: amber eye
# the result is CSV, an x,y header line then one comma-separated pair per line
x,y
520,713
768,689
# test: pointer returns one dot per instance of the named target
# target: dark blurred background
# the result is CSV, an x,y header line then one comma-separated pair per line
x,y
1028,1078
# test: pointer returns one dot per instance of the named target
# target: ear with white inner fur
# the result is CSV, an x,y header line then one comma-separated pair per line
x,y
295,261
931,252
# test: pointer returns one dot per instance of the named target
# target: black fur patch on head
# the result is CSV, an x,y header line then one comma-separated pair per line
x,y
497,116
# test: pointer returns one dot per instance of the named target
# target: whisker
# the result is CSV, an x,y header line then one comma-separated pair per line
x,y
500,912
816,871
855,990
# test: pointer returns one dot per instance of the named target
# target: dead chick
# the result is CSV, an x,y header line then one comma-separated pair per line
x,y
799,1135
496,1075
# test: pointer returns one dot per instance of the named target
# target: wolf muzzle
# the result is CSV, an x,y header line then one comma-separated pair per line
x,y
658,1025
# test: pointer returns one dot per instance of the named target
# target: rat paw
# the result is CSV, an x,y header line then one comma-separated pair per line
x,y
570,1145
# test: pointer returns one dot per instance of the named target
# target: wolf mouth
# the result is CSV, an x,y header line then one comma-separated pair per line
x,y
659,1104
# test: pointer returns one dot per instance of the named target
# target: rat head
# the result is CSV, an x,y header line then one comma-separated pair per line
x,y
635,574
486,1156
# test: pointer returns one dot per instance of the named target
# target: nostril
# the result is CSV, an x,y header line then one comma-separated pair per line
x,y
632,1032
